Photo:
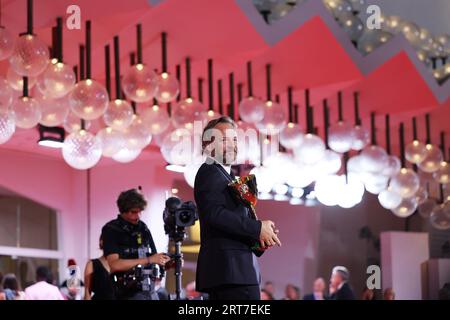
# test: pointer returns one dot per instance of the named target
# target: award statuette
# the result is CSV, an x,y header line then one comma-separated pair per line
x,y
246,191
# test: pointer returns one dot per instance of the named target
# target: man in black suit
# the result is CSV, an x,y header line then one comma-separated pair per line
x,y
339,287
226,267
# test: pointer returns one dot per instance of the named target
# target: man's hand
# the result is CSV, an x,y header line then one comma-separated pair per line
x,y
159,258
268,236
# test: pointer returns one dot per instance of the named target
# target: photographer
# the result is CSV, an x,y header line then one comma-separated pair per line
x,y
130,251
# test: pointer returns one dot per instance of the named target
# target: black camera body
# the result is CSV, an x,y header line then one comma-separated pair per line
x,y
177,216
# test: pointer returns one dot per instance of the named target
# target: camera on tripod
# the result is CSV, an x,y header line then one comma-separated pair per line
x,y
177,216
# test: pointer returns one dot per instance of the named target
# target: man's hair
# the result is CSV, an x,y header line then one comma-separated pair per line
x,y
10,282
43,274
343,272
207,137
131,199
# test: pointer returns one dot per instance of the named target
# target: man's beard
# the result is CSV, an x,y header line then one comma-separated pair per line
x,y
228,158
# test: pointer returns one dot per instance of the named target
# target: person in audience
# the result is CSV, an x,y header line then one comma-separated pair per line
x,y
266,295
97,281
73,287
269,288
42,289
2,294
339,287
368,294
11,288
318,291
292,292
389,294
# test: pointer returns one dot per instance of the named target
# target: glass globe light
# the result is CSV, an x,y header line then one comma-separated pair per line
x,y
425,177
118,115
274,119
421,195
7,42
351,191
393,24
393,166
374,183
30,56
358,5
159,138
405,183
426,40
352,25
248,144
442,175
16,81
372,39
300,176
361,138
330,164
263,178
436,50
415,152
340,137
112,141
6,94
426,208
354,164
325,189
54,111
82,150
177,147
211,115
88,99
373,158
186,112
411,32
136,134
156,119
167,87
27,112
7,127
406,208
292,136
57,80
281,165
139,83
440,218
251,110
311,150
389,199
338,7
126,155
72,123
433,159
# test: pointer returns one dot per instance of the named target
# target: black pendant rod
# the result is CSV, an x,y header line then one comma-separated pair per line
x,y
30,17
132,63
428,128
373,129
117,67
296,113
249,79
356,106
164,51
219,93
443,148
231,88
402,144
340,108
414,124
239,92
178,75
268,82
108,69
75,71
59,35
200,89
139,43
82,63
277,98
188,78
326,120
210,85
290,105
25,86
54,48
88,49
387,119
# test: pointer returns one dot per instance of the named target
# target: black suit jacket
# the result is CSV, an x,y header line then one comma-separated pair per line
x,y
227,233
344,293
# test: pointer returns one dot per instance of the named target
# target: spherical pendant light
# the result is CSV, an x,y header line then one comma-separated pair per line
x,y
82,150
26,112
340,137
30,56
415,152
167,87
311,150
57,80
405,183
7,127
112,141
7,42
16,81
361,138
251,110
156,119
406,208
6,95
186,112
292,136
54,111
389,199
126,155
118,115
88,99
137,135
72,123
274,119
139,83
432,160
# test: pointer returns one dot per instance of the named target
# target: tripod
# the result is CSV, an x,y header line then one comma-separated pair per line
x,y
178,259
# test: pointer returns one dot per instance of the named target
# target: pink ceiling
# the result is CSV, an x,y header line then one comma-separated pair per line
x,y
311,55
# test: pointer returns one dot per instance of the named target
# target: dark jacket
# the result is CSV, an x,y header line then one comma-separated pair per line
x,y
227,233
344,293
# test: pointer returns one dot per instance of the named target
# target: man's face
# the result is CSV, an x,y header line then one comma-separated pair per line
x,y
319,285
336,279
225,143
269,288
133,216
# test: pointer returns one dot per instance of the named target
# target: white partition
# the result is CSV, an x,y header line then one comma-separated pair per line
x,y
402,254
